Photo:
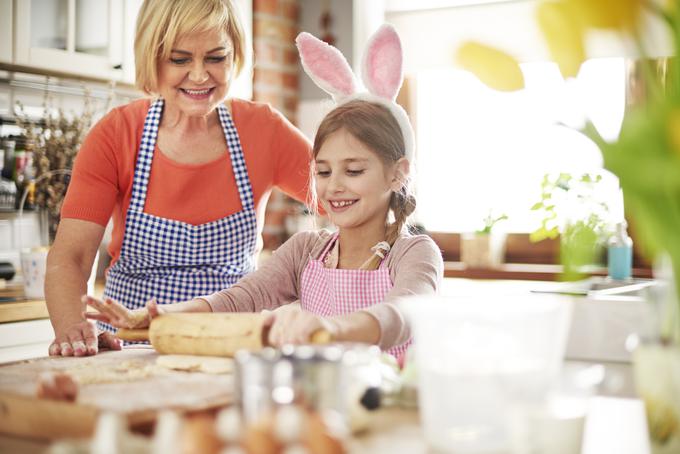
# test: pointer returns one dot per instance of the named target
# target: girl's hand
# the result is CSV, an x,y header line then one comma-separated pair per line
x,y
119,316
292,325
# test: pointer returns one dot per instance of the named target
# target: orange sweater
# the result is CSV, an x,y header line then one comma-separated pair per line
x,y
276,154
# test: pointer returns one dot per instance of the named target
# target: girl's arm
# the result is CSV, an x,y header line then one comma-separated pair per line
x,y
272,285
416,268
117,315
267,288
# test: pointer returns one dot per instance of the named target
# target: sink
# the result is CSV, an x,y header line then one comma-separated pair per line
x,y
598,287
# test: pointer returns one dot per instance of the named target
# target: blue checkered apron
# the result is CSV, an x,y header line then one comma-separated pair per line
x,y
174,261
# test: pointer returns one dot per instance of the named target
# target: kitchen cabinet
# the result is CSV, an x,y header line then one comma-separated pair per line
x,y
5,31
78,37
25,339
94,39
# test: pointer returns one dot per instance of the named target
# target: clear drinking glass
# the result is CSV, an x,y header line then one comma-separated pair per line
x,y
479,359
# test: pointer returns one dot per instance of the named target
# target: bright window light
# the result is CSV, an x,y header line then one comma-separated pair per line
x,y
482,150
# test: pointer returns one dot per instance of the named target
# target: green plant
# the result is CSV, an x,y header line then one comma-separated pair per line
x,y
646,155
490,221
572,209
54,140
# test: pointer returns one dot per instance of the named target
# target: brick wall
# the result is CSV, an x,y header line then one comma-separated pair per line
x,y
275,80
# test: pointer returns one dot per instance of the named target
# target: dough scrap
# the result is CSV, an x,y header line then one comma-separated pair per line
x,y
126,371
194,363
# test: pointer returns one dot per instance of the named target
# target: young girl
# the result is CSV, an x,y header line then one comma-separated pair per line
x,y
347,282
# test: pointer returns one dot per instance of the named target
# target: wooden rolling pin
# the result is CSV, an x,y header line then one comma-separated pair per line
x,y
208,334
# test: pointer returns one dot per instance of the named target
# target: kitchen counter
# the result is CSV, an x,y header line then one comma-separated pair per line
x,y
613,425
25,329
15,307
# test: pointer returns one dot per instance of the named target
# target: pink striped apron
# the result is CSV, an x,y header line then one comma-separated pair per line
x,y
329,291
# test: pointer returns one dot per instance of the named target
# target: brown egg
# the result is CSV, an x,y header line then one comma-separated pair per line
x,y
199,435
57,386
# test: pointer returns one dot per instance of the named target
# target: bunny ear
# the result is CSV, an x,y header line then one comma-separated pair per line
x,y
326,66
382,65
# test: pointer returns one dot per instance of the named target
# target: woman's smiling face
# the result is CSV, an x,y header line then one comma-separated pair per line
x,y
197,75
352,183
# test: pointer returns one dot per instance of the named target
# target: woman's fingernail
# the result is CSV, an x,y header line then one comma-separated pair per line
x,y
66,349
79,348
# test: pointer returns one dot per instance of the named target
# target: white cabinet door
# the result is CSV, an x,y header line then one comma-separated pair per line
x,y
92,38
79,37
130,12
5,31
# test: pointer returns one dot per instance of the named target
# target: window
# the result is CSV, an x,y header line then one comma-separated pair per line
x,y
480,150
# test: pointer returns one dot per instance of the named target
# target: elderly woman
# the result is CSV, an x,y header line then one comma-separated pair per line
x,y
185,176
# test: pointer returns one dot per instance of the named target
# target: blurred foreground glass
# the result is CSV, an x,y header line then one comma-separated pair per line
x,y
480,360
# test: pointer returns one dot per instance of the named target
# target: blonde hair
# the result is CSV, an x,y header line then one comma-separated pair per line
x,y
374,126
161,23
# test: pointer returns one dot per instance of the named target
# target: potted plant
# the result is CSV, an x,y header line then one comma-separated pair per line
x,y
54,141
573,209
646,159
483,248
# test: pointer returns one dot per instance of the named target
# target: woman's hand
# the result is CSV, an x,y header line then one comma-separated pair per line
x,y
117,315
292,325
80,339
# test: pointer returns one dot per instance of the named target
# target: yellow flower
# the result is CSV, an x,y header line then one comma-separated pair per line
x,y
563,34
609,14
493,67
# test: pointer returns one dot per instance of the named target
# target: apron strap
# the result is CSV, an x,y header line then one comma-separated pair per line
x,y
145,156
238,162
328,247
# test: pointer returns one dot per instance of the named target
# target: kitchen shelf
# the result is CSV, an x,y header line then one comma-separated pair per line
x,y
19,308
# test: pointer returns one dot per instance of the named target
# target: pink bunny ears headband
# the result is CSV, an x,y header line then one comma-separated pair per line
x,y
381,72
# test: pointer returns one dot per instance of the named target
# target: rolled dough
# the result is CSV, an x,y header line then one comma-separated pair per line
x,y
194,363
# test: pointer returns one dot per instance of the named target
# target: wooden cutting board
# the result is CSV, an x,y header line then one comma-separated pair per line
x,y
126,382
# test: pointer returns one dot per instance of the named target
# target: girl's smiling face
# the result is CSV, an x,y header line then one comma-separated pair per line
x,y
196,76
352,183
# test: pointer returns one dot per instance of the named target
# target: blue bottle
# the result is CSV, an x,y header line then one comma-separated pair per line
x,y
620,253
